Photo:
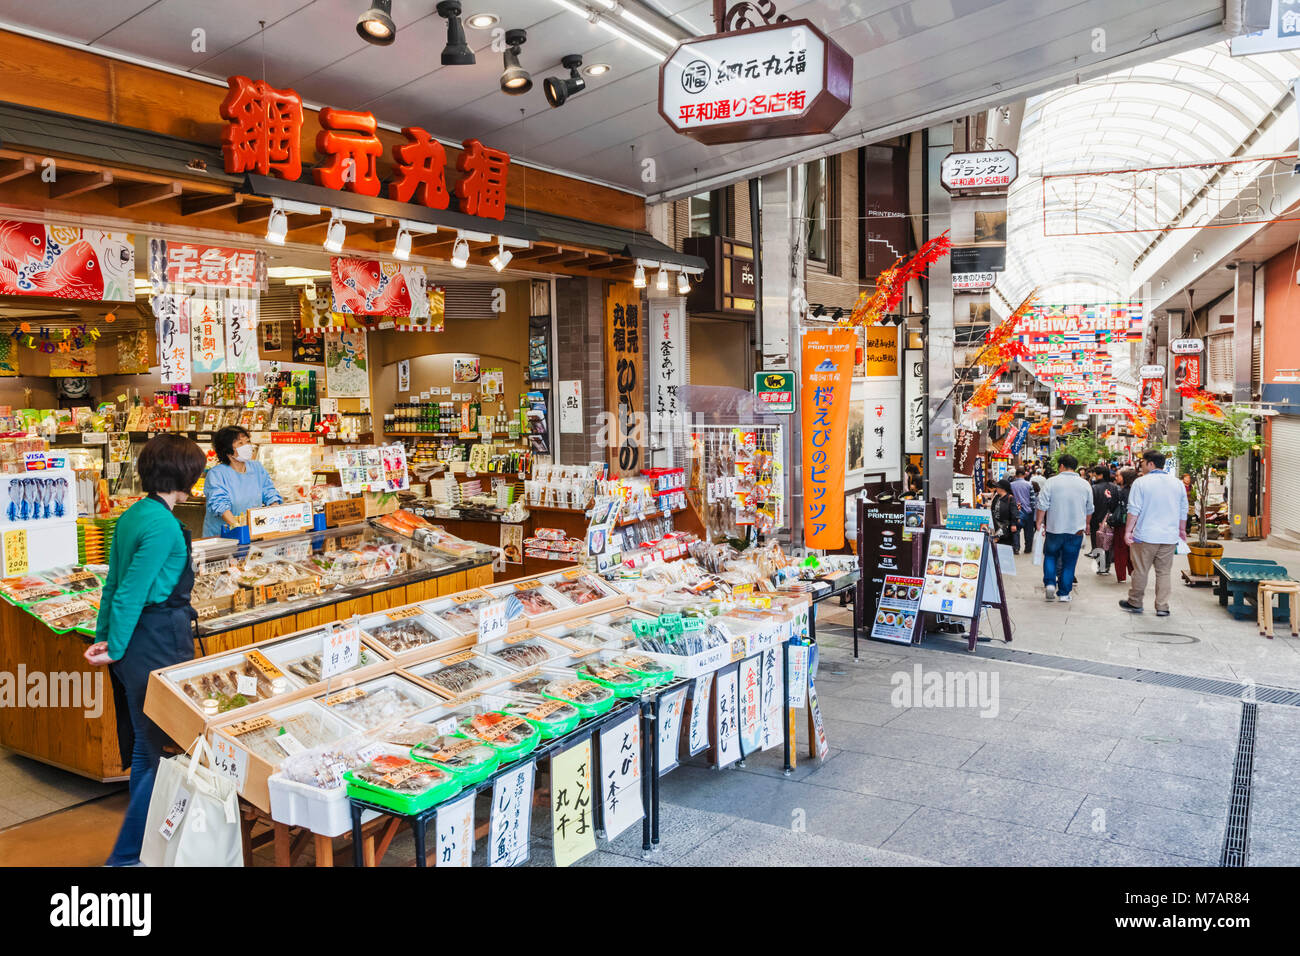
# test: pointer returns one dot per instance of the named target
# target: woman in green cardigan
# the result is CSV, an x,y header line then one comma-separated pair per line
x,y
145,618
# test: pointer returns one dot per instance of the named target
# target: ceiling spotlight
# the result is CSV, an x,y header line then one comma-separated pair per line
x,y
661,281
638,280
457,51
402,244
481,21
502,258
597,69
514,78
559,89
839,314
460,254
683,284
277,226
376,24
819,311
334,234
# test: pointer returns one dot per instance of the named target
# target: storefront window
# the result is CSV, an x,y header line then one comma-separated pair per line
x,y
701,214
816,205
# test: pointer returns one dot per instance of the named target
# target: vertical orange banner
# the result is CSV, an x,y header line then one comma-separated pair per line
x,y
827,374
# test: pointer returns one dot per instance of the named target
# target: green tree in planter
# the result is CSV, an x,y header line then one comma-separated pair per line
x,y
1083,445
1205,444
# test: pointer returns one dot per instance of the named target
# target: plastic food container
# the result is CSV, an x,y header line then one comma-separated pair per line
x,y
524,650
591,699
554,718
406,630
535,598
652,671
378,701
300,656
462,673
231,681
622,681
585,635
401,784
466,758
579,588
287,731
512,735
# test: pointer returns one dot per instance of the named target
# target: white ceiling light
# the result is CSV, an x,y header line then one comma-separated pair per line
x,y
599,18
460,254
502,258
597,69
294,272
277,227
683,284
335,233
639,22
661,281
481,21
402,244
638,280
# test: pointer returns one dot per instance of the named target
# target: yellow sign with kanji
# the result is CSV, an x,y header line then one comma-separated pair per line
x,y
15,548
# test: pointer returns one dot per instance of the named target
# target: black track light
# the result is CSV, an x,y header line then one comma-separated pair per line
x,y
559,89
457,51
515,80
376,24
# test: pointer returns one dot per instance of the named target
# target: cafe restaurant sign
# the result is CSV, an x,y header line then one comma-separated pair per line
x,y
783,79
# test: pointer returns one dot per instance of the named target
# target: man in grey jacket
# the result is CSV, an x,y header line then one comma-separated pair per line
x,y
1063,509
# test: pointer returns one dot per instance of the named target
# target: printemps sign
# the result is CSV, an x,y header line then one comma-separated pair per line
x,y
783,79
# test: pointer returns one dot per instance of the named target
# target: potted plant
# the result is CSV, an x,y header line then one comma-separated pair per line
x,y
1204,445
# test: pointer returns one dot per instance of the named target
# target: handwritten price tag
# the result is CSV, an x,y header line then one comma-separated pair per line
x,y
492,622
341,651
230,759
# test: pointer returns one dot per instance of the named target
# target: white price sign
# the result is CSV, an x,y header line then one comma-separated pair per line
x,y
230,759
492,622
341,651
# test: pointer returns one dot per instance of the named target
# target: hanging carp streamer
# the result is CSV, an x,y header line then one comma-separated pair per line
x,y
891,284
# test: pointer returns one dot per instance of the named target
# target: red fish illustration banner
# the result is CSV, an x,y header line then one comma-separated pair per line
x,y
827,366
66,262
371,287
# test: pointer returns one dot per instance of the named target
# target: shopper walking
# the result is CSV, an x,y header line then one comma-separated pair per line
x,y
1103,498
1063,509
1119,522
1157,521
145,618
1024,495
1006,515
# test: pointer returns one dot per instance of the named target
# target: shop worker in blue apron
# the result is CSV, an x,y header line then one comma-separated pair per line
x,y
145,618
236,483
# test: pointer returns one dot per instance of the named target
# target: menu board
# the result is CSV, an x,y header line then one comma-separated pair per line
x,y
968,519
898,609
954,565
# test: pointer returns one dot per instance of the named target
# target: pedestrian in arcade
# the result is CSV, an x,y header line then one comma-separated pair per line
x,y
1157,521
145,618
1024,495
1006,515
1064,507
1119,522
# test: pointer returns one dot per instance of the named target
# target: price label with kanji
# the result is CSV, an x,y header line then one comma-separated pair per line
x,y
231,760
492,621
342,651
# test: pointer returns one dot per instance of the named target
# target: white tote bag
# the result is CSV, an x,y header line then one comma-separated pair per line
x,y
193,814
1039,540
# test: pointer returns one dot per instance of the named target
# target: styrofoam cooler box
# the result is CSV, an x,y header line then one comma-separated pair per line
x,y
327,812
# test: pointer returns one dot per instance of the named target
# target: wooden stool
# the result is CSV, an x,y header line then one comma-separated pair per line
x,y
1264,605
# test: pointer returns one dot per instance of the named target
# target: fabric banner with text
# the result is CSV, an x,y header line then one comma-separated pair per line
x,y
625,379
826,365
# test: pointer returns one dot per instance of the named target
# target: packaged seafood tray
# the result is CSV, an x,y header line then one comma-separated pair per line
x,y
554,718
462,673
309,790
511,734
287,731
27,589
376,702
367,562
654,672
585,636
217,685
689,646
579,586
600,669
301,656
525,649
404,630
74,579
760,628
460,611
564,684
536,599
68,612
400,783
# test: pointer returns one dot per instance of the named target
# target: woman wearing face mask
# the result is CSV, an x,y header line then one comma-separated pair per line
x,y
236,484
145,618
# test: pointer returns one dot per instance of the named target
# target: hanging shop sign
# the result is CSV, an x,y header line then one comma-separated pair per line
x,y
1049,328
1006,388
1153,392
827,370
1187,371
965,450
263,136
207,336
174,358
1281,33
881,440
624,378
882,351
973,281
968,259
346,365
729,283
986,169
1187,346
775,391
241,334
782,79
571,407
371,287
66,262
1100,409
667,362
914,410
174,263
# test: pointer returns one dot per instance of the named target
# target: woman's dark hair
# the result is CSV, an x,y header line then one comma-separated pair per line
x,y
1129,475
170,463
1005,485
223,442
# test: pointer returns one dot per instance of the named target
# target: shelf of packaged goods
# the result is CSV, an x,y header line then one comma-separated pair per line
x,y
456,435
623,522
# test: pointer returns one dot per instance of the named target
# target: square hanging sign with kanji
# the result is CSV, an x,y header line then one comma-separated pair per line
x,y
775,391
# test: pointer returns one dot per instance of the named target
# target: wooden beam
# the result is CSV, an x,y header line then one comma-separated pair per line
x,y
16,168
65,186
194,205
558,257
612,264
129,196
587,262
253,212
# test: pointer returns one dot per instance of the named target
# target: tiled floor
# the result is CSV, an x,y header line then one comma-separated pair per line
x,y
1061,768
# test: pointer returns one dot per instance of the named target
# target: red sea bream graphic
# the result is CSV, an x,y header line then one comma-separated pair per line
x,y
371,287
66,262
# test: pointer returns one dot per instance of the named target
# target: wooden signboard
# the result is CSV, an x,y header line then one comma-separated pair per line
x,y
347,511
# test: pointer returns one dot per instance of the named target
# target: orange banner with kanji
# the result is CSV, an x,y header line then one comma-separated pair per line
x,y
826,366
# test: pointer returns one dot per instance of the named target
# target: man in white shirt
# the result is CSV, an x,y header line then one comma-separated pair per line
x,y
1157,521
1064,505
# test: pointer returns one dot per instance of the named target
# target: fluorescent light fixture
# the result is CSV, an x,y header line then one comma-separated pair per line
x,y
638,280
402,244
294,272
335,233
277,226
624,35
661,281
460,254
683,284
639,22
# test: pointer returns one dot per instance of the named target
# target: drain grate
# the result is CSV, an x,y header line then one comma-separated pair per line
x,y
1235,835
1141,675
